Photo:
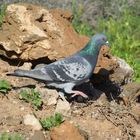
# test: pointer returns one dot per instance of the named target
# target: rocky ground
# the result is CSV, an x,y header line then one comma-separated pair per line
x,y
32,35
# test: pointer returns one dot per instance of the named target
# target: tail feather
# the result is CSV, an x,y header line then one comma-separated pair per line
x,y
20,73
34,74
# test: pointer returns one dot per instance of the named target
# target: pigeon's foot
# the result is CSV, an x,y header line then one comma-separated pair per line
x,y
79,93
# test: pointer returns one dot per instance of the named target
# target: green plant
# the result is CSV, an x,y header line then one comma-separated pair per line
x,y
52,121
123,35
4,86
32,97
2,13
7,136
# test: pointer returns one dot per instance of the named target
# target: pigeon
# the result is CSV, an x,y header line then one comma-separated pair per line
x,y
71,71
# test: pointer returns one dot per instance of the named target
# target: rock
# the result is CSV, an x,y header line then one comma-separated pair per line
x,y
39,33
26,66
32,121
52,97
13,121
130,92
111,81
100,97
63,107
66,131
137,132
38,135
123,74
105,63
49,96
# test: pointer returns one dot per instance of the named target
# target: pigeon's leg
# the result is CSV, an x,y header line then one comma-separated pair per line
x,y
68,89
76,92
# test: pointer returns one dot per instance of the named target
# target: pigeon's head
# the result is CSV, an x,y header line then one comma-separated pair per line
x,y
94,45
99,40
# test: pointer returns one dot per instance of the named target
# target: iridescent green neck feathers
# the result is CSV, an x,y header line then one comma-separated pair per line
x,y
94,45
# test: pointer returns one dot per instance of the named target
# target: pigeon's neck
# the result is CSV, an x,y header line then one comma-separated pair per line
x,y
90,49
90,52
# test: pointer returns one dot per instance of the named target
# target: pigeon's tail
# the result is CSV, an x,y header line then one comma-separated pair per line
x,y
21,73
34,74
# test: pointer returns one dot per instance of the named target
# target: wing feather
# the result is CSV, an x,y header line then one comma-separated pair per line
x,y
71,69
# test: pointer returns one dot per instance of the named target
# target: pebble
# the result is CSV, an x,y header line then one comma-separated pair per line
x,y
32,121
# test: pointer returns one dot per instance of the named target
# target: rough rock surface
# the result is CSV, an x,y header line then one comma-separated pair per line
x,y
66,131
30,32
130,93
63,107
38,135
123,74
32,121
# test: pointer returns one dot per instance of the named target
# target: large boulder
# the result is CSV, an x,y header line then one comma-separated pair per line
x,y
31,32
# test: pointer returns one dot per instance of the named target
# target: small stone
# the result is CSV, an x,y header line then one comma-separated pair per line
x,y
63,107
26,66
15,102
66,131
123,74
48,96
13,120
130,92
32,121
52,96
124,65
38,135
22,108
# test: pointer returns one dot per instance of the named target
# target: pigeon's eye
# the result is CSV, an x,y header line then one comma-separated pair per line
x,y
104,39
107,42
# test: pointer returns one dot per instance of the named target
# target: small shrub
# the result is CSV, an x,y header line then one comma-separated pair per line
x,y
52,121
7,136
2,13
4,86
32,97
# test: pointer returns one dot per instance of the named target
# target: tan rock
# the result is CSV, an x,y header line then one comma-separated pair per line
x,y
32,121
123,74
30,32
66,131
105,61
63,107
130,93
38,135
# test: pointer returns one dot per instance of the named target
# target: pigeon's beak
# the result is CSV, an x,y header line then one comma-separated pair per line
x,y
107,43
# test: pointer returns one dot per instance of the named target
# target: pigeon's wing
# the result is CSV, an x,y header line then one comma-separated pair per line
x,y
70,69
